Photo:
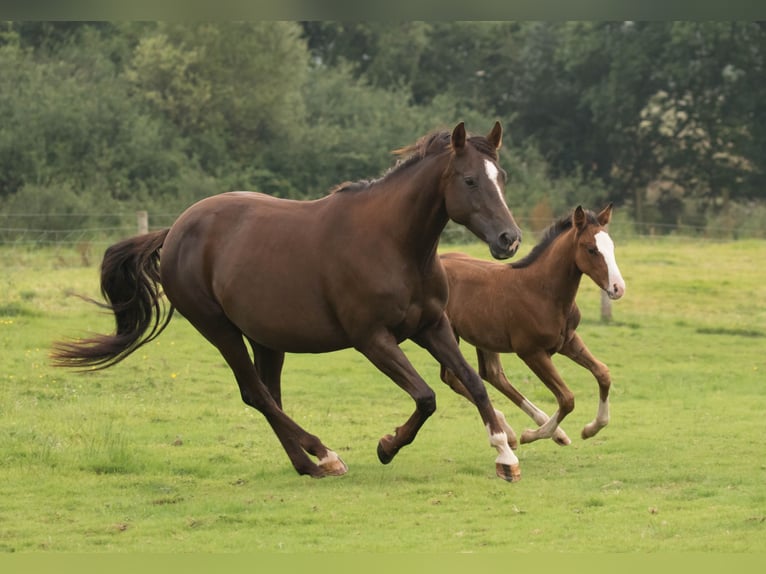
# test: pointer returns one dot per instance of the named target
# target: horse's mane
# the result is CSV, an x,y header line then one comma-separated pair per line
x,y
549,236
433,143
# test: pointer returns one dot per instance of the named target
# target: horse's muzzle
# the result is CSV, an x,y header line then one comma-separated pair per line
x,y
506,245
616,289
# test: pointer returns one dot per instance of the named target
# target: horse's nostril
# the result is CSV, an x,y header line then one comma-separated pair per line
x,y
506,239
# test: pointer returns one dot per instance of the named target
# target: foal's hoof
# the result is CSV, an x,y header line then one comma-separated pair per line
x,y
509,472
591,429
386,452
561,438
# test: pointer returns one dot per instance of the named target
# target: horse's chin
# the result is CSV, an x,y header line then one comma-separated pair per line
x,y
503,252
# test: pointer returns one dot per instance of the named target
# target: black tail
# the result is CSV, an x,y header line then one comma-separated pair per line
x,y
130,284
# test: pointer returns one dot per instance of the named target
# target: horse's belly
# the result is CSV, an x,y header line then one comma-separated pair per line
x,y
285,317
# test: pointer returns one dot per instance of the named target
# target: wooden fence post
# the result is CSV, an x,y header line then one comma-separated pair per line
x,y
606,307
142,217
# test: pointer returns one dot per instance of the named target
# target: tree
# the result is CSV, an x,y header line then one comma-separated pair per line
x,y
232,89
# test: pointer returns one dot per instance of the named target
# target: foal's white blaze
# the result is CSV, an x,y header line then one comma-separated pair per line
x,y
494,176
605,245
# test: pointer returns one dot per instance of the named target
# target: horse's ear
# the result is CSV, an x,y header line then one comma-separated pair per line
x,y
606,215
458,137
578,218
495,137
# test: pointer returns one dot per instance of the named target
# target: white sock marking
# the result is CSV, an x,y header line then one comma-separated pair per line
x,y
500,442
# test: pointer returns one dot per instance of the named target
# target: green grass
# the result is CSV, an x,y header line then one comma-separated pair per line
x,y
159,454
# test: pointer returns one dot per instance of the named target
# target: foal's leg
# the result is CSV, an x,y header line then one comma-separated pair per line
x,y
541,364
297,442
491,370
576,350
440,341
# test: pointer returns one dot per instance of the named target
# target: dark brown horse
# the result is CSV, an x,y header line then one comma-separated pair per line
x,y
529,308
357,268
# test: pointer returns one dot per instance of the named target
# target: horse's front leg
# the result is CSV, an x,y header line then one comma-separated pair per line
x,y
576,350
439,340
454,383
541,364
383,351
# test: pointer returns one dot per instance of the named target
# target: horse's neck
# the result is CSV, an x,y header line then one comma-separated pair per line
x,y
414,209
558,271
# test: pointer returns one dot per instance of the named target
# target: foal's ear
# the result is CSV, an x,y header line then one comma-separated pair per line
x,y
578,218
458,137
606,215
495,137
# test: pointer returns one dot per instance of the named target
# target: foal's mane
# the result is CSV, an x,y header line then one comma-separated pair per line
x,y
549,236
431,144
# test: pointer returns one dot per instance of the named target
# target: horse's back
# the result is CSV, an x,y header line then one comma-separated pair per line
x,y
254,257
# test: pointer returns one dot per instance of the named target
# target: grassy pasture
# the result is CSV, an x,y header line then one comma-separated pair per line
x,y
159,454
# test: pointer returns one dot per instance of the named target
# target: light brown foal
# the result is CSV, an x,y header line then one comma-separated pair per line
x,y
528,308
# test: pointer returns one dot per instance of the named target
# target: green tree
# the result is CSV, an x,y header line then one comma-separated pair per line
x,y
70,122
232,89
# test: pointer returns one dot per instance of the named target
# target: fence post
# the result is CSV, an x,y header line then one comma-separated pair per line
x,y
606,307
142,217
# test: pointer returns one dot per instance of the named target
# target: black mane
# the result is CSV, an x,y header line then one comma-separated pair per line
x,y
549,236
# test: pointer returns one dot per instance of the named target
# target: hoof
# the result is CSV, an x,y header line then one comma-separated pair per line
x,y
509,472
591,430
561,439
333,467
385,452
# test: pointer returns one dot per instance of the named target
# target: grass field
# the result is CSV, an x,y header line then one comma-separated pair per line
x,y
159,454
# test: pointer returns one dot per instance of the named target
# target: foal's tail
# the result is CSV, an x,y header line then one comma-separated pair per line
x,y
130,284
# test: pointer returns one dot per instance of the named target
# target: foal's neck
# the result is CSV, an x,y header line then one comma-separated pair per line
x,y
558,269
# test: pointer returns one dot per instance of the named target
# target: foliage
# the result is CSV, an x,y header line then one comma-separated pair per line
x,y
664,118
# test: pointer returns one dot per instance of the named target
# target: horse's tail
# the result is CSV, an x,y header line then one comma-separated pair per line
x,y
130,284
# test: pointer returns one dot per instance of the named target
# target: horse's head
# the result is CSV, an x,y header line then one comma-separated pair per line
x,y
594,253
474,193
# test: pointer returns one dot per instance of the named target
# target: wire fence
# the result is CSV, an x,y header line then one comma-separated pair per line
x,y
74,230
76,239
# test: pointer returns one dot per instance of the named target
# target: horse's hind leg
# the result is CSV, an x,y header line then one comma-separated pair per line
x,y
269,365
541,364
576,350
491,370
297,442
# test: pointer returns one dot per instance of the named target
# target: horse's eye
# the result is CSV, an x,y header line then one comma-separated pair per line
x,y
469,181
592,250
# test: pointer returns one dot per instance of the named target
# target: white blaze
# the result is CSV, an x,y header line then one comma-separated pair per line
x,y
494,176
605,246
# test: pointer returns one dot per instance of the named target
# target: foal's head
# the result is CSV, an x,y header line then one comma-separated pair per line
x,y
474,191
594,251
